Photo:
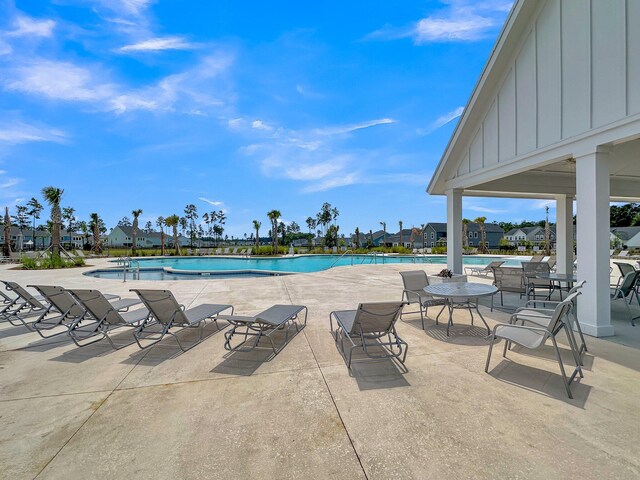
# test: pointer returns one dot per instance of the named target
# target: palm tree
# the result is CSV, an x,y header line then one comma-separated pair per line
x,y
465,230
547,233
311,223
483,244
6,246
95,225
172,221
274,215
53,196
400,223
134,235
357,237
256,226
160,224
384,234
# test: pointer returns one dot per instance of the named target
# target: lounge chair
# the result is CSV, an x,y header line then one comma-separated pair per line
x,y
626,291
551,261
21,310
624,253
507,279
414,281
107,316
64,307
218,251
534,337
226,251
481,271
537,258
235,251
249,252
168,314
542,317
368,327
243,252
263,325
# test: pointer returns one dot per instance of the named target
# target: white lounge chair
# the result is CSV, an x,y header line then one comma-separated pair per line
x,y
414,281
481,271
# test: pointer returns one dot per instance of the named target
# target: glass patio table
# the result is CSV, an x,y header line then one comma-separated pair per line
x,y
462,295
559,278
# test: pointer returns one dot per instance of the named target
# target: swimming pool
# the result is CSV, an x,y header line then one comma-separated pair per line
x,y
174,268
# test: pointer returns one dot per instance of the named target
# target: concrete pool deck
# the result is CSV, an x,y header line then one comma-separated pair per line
x,y
93,412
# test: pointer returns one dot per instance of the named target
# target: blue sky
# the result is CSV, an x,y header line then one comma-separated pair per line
x,y
241,106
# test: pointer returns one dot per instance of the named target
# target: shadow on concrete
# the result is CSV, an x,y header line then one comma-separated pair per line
x,y
378,374
245,363
543,382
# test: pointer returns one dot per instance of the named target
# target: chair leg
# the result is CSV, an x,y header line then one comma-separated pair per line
x,y
564,375
486,366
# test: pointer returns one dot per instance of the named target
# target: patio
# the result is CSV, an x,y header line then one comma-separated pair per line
x,y
98,413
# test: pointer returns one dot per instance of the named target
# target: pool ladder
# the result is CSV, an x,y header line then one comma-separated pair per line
x,y
127,264
340,258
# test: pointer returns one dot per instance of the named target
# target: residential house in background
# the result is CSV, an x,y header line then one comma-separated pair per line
x,y
437,232
629,237
532,235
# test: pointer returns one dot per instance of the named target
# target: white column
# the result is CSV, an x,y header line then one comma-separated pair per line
x,y
454,230
564,233
592,194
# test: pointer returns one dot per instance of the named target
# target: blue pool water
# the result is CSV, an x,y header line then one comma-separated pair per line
x,y
185,267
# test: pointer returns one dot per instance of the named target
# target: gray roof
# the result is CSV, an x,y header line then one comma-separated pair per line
x,y
471,227
625,233
128,231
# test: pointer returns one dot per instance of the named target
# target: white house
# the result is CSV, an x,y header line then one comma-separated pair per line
x,y
628,237
555,115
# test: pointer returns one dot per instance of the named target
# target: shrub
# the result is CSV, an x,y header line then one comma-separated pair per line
x,y
50,263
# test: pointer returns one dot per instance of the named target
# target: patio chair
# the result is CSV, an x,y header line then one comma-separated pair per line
x,y
624,269
414,281
551,261
507,279
624,253
535,337
542,317
626,291
532,272
368,327
20,311
481,271
106,317
263,325
249,252
536,258
226,251
243,252
63,305
168,314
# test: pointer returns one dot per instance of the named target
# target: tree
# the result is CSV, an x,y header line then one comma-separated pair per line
x,y
53,196
357,238
134,234
256,227
34,210
370,243
69,218
191,215
160,224
324,216
148,227
384,234
483,241
274,215
311,224
172,221
182,221
547,232
334,214
124,222
94,224
20,218
6,246
400,224
83,227
465,232
331,238
415,232
282,230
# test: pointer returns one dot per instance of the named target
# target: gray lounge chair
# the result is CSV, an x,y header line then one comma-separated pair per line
x,y
168,314
414,281
263,325
537,258
624,269
532,273
107,316
369,326
64,307
534,337
627,289
481,271
21,310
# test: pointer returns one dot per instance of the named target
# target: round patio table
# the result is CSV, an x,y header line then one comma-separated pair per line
x,y
559,278
462,295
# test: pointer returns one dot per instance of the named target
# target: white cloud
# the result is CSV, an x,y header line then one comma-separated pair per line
x,y
260,125
334,182
210,202
441,121
338,130
159,44
127,7
17,132
542,204
476,208
314,171
27,26
460,20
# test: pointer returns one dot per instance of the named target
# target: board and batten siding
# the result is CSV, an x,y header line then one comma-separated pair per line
x,y
577,69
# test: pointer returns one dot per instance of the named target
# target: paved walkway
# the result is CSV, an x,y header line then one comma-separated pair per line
x,y
73,413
